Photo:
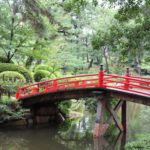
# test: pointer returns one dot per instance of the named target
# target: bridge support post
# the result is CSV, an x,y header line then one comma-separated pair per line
x,y
100,127
122,126
124,116
103,105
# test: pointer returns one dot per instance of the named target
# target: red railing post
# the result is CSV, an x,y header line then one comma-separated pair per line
x,y
126,82
83,84
55,85
35,90
101,76
46,87
18,93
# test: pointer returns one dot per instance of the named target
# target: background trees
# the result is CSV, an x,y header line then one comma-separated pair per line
x,y
40,40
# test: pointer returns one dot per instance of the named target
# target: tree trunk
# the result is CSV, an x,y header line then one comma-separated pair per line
x,y
90,64
105,53
137,65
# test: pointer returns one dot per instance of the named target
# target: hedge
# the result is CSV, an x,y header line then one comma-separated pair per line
x,y
41,67
17,68
12,75
40,74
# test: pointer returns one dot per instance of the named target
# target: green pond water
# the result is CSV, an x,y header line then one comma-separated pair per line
x,y
72,135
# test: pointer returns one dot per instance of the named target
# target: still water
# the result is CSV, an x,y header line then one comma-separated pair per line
x,y
71,135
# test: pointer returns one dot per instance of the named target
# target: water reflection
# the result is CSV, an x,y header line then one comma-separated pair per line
x,y
117,144
41,138
78,135
73,135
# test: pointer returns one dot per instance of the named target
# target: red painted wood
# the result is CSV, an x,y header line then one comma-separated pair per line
x,y
134,84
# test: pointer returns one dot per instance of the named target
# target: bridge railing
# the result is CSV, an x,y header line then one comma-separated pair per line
x,y
64,83
135,84
128,83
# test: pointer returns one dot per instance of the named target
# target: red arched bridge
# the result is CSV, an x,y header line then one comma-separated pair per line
x,y
101,85
126,85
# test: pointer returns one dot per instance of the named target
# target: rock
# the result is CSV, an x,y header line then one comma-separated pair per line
x,y
42,119
22,122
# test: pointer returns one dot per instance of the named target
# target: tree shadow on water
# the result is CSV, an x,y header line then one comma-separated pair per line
x,y
117,143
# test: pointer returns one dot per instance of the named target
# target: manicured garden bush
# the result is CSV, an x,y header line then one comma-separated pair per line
x,y
41,67
17,68
40,74
12,76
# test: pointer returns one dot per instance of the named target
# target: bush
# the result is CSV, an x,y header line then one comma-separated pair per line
x,y
57,74
41,67
10,80
64,106
12,76
142,143
10,109
5,100
40,74
19,69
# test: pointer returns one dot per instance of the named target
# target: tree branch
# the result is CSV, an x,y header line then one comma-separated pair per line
x,y
16,49
4,51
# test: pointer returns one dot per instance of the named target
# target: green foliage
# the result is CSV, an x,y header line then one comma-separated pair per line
x,y
40,74
7,100
74,5
10,109
10,87
41,67
10,80
3,60
91,105
77,106
15,34
64,106
78,5
16,68
142,143
12,76
44,72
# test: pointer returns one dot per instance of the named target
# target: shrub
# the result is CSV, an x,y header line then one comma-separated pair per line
x,y
142,143
10,80
5,100
40,74
10,109
12,76
53,76
64,106
41,67
57,74
19,69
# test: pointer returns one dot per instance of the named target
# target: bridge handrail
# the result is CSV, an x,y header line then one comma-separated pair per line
x,y
125,82
131,85
57,79
144,78
131,78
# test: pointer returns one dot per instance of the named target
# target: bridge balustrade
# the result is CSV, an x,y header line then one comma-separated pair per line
x,y
135,84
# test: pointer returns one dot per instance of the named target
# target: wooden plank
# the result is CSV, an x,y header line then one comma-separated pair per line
x,y
124,116
113,113
117,107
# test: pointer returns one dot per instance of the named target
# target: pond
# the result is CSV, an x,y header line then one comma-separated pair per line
x,y
73,135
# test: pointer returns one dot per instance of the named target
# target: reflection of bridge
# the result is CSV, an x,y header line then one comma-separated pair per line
x,y
100,85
